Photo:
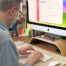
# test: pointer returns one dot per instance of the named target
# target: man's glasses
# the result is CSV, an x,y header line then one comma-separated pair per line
x,y
20,13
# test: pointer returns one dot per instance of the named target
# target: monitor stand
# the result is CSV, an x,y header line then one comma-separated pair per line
x,y
52,39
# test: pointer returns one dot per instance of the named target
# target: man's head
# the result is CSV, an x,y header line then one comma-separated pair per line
x,y
9,10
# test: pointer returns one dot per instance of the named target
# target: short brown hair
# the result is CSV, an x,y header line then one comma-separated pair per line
x,y
4,4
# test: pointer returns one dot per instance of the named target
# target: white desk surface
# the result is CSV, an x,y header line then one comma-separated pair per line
x,y
55,57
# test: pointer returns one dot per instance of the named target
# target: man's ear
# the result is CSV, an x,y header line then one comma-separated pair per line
x,y
11,11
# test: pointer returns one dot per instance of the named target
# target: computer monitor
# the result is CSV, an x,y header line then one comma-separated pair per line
x,y
47,16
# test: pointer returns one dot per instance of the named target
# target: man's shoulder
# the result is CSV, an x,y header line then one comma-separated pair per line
x,y
4,36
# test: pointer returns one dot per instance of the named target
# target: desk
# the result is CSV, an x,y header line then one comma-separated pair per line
x,y
55,56
25,39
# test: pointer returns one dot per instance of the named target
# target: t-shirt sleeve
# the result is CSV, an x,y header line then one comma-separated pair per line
x,y
8,54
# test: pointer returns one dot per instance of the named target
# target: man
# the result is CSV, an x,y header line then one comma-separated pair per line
x,y
8,54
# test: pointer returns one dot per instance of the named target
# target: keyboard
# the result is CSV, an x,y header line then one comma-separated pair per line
x,y
21,44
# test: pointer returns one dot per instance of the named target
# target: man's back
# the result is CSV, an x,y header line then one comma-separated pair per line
x,y
8,52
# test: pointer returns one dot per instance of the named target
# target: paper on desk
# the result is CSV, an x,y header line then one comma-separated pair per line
x,y
46,57
20,44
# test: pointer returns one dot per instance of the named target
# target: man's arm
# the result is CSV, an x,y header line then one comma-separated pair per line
x,y
8,54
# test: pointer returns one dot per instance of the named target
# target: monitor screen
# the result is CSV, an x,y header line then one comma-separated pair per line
x,y
48,13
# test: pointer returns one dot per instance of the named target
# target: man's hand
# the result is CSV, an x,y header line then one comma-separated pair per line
x,y
34,57
23,50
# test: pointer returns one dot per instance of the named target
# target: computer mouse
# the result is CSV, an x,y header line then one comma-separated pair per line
x,y
54,63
